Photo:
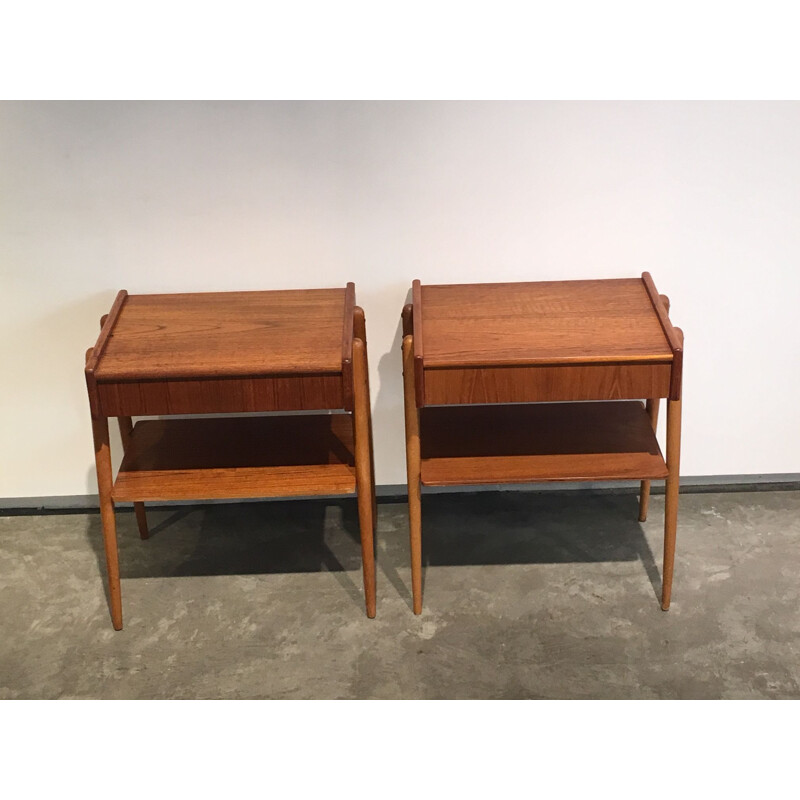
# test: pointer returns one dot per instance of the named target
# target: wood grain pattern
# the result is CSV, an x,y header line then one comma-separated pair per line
x,y
360,332
540,346
661,309
364,474
102,456
538,442
546,383
107,322
677,369
413,464
359,324
549,322
660,305
232,484
125,434
419,350
226,353
651,407
221,395
538,469
219,334
407,320
347,346
191,459
671,499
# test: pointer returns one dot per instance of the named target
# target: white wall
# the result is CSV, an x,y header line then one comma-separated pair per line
x,y
158,197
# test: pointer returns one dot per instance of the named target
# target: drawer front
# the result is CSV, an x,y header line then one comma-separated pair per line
x,y
221,396
546,384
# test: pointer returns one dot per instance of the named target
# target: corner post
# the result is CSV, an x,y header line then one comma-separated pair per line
x,y
413,466
364,483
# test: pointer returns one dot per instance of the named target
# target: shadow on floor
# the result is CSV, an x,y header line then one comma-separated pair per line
x,y
534,528
236,539
239,539
323,535
531,528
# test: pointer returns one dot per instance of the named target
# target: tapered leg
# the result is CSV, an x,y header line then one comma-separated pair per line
x,y
671,501
102,458
371,449
141,520
125,432
644,492
360,332
364,484
413,472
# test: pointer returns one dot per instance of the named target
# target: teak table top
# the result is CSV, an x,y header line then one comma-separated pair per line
x,y
548,322
226,334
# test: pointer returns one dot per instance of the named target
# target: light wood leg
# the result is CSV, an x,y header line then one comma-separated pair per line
x,y
413,472
102,458
652,412
141,520
644,492
364,484
671,501
125,432
360,332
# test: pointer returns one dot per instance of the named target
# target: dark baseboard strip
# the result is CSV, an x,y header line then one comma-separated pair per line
x,y
396,493
698,484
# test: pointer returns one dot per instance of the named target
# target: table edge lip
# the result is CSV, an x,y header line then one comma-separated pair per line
x,y
659,359
527,283
103,378
229,292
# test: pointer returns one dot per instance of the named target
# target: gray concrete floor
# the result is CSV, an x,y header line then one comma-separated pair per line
x,y
527,595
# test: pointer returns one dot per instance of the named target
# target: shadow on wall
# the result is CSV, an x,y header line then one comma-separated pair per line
x,y
388,422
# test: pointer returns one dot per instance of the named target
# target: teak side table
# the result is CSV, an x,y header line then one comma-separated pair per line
x,y
497,377
233,352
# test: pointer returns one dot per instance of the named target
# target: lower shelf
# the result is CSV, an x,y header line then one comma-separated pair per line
x,y
238,457
538,442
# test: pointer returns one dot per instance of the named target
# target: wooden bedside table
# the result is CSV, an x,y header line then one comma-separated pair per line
x,y
493,374
229,352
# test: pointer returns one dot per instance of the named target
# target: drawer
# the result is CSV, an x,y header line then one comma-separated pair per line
x,y
529,384
221,395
